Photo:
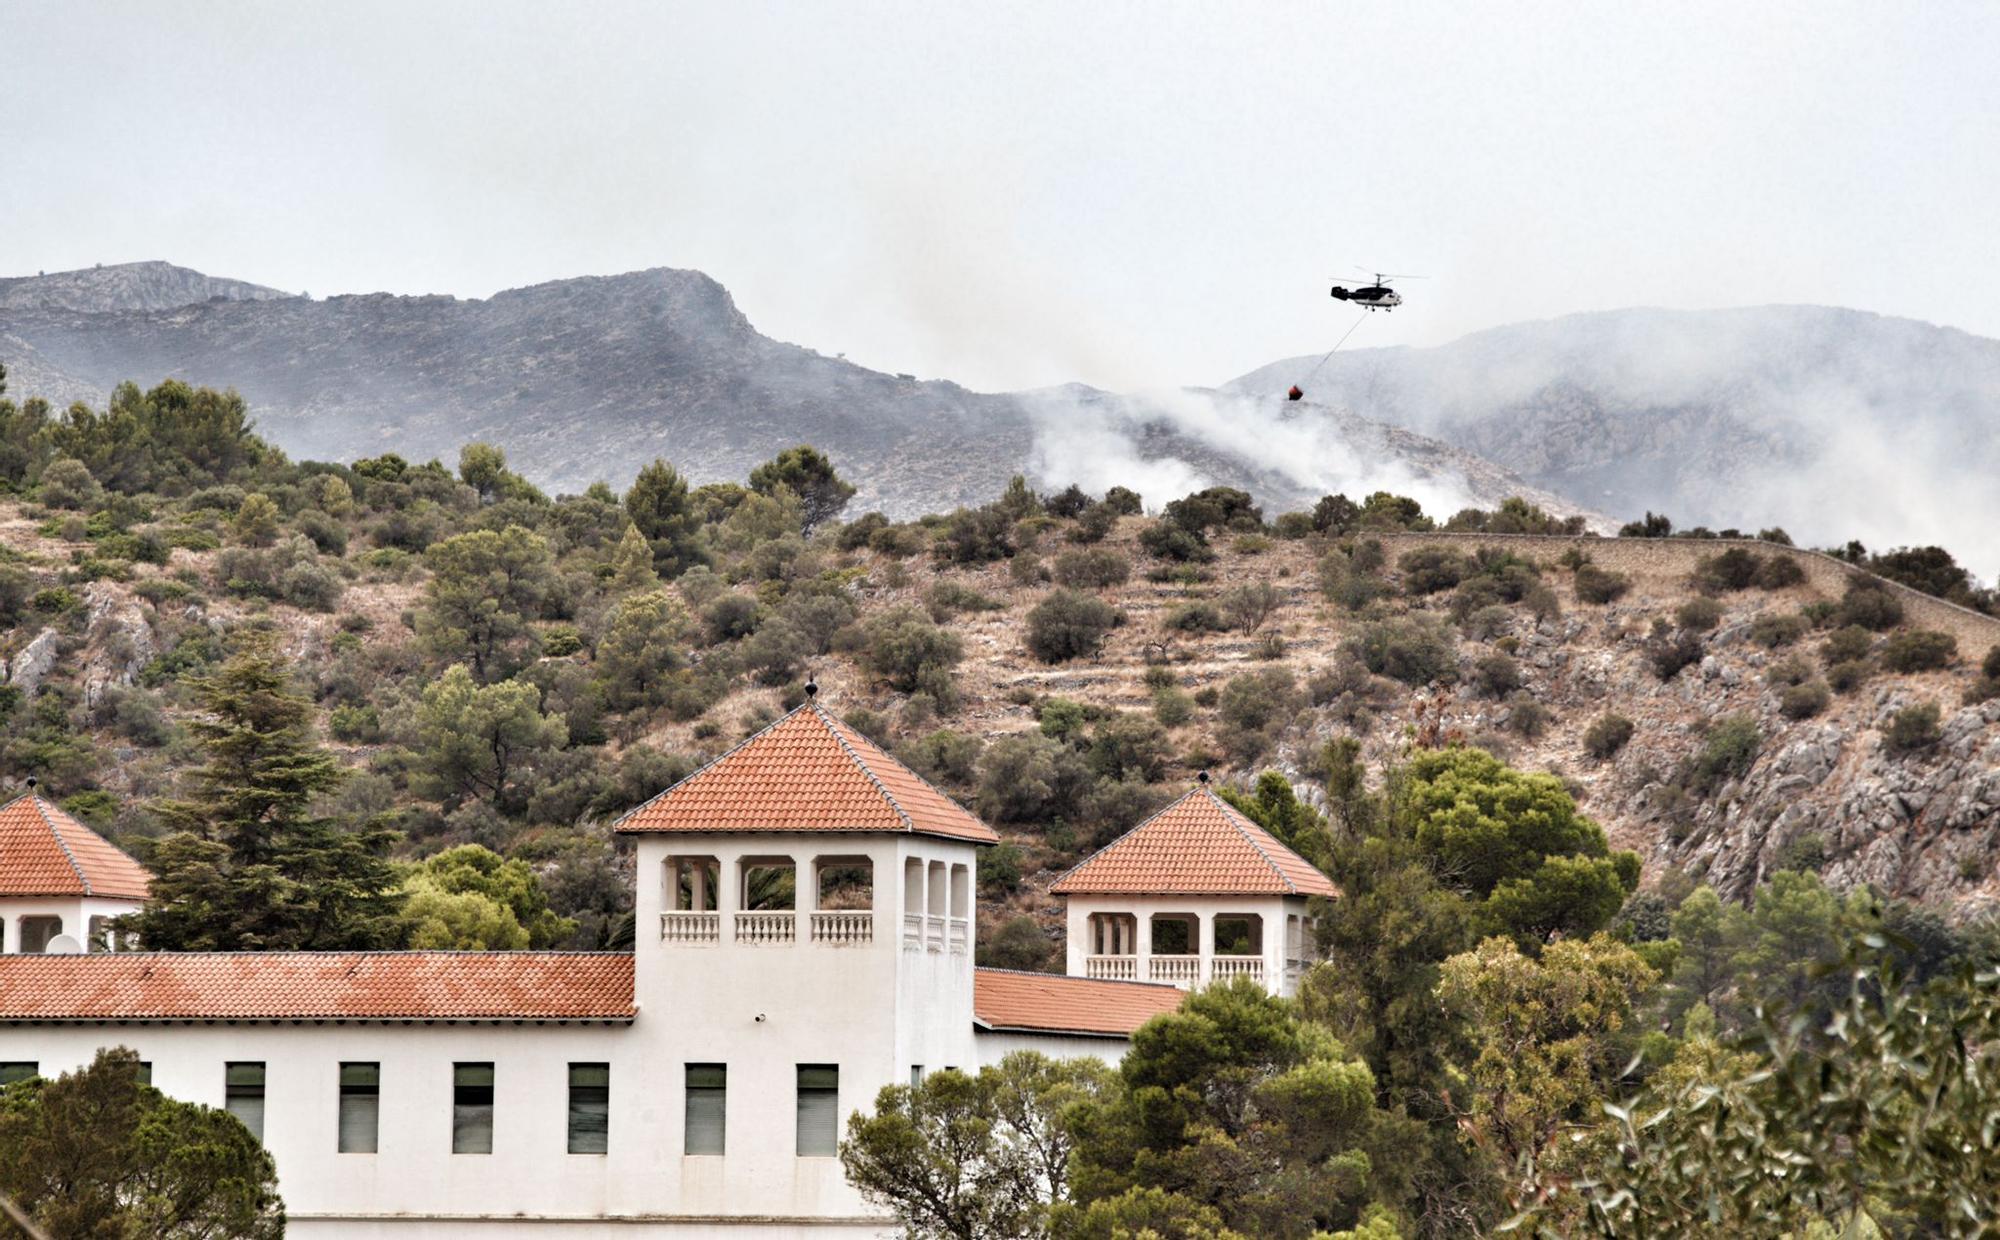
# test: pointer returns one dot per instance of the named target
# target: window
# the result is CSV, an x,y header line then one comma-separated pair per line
x,y
819,1110
695,883
145,1072
707,1108
243,1095
589,1108
472,1108
360,1106
19,1071
98,939
916,1075
844,883
36,933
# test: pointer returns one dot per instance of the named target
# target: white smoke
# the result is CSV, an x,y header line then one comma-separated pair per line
x,y
1287,453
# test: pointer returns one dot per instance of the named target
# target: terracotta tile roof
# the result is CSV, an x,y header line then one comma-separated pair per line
x,y
1199,845
806,772
45,852
317,986
1049,1003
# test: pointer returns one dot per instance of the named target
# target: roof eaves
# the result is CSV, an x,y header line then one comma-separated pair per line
x,y
41,807
833,728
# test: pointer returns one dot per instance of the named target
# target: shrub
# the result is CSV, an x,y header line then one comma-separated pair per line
x,y
1919,650
1172,707
1846,645
1734,569
67,483
1428,570
1256,700
1728,752
1095,525
730,617
977,535
1772,632
1414,650
1606,735
1869,604
1990,665
1167,540
1527,717
1026,570
1069,625
1092,568
1597,585
1803,701
1487,623
1788,671
355,724
947,598
1780,571
1019,944
948,757
1671,652
903,647
1122,502
1985,689
1912,728
1699,614
1194,618
1847,675
1249,605
1496,675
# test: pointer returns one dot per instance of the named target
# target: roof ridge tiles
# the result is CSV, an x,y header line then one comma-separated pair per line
x,y
833,727
42,808
1238,819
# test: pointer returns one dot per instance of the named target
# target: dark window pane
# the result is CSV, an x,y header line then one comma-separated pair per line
x,y
819,1110
589,1108
243,1095
707,1108
472,1108
360,1106
11,1072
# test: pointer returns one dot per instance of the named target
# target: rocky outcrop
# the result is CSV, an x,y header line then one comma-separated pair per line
x,y
118,641
26,670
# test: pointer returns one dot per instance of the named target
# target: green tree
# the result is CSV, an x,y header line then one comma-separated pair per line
x,y
973,1157
807,473
1236,1104
632,564
485,586
1515,843
248,867
658,504
470,898
641,648
1548,1037
473,741
1273,805
94,1153
256,522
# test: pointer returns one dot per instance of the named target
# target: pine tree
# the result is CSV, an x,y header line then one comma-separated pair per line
x,y
249,867
632,565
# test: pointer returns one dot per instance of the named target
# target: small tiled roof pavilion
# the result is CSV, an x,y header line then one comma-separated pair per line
x,y
60,882
1195,893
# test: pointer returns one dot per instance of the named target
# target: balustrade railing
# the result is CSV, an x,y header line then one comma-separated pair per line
x,y
843,927
1179,970
961,935
1112,968
1236,966
934,933
913,931
782,927
687,927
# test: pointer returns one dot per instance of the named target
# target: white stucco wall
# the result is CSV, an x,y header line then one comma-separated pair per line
x,y
874,1009
75,911
997,1044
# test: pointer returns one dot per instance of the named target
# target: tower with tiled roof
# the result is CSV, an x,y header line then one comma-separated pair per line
x,y
1194,894
61,883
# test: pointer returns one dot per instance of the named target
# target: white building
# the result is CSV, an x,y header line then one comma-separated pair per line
x,y
805,910
60,882
1197,893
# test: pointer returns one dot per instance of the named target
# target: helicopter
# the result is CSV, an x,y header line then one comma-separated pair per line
x,y
1376,296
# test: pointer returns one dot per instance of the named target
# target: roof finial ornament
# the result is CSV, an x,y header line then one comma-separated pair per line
x,y
32,781
1201,777
812,688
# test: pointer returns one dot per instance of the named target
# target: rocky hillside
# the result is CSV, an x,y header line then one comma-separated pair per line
x,y
1738,754
1833,424
585,380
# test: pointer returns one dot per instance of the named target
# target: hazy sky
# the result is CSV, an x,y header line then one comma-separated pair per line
x,y
1014,194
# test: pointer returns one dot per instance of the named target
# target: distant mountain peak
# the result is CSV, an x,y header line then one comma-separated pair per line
x,y
148,285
